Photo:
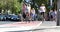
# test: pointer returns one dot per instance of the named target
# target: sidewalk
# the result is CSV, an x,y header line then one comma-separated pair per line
x,y
53,29
48,26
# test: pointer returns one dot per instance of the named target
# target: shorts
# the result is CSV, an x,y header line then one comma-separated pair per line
x,y
24,15
51,16
43,13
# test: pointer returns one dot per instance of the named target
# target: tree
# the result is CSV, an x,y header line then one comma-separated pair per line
x,y
17,5
13,5
39,2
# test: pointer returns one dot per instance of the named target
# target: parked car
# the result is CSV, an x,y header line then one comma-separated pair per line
x,y
2,17
15,17
8,17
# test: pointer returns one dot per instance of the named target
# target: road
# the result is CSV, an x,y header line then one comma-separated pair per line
x,y
46,26
6,22
18,26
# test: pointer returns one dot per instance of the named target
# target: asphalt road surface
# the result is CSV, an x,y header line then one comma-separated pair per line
x,y
47,24
18,25
6,22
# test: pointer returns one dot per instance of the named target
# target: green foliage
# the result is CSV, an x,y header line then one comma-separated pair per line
x,y
16,7
39,2
47,4
20,1
13,5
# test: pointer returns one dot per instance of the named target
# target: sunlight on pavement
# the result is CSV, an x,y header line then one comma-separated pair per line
x,y
18,26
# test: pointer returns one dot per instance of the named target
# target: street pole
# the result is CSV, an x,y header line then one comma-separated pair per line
x,y
58,13
51,2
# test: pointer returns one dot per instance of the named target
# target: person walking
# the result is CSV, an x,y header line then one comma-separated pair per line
x,y
51,15
43,10
24,11
55,15
33,14
28,9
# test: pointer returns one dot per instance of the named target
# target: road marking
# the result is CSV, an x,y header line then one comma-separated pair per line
x,y
19,28
18,24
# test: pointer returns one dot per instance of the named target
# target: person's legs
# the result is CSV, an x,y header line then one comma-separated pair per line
x,y
54,18
43,14
24,16
35,17
32,17
51,18
28,17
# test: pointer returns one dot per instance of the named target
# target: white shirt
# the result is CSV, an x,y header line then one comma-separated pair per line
x,y
55,12
28,8
40,11
42,8
33,11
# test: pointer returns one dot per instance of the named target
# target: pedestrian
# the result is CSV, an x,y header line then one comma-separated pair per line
x,y
51,15
24,11
43,10
33,14
55,15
